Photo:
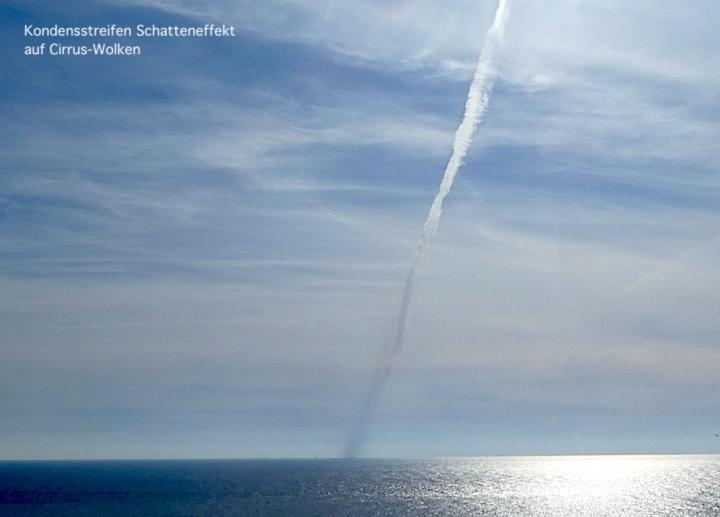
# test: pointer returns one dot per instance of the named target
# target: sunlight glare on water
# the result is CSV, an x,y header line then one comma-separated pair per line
x,y
598,485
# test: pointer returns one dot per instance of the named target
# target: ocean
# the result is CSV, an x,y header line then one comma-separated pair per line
x,y
492,486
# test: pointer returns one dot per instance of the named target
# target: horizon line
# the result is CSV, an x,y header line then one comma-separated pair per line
x,y
359,458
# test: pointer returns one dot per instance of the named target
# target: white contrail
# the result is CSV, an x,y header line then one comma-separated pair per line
x,y
475,107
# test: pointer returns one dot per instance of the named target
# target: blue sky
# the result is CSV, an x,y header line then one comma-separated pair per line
x,y
202,248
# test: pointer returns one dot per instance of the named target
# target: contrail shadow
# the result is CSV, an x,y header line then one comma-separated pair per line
x,y
476,105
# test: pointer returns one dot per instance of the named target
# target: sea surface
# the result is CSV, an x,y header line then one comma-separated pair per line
x,y
508,486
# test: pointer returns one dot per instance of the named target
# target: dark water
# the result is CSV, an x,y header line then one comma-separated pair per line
x,y
537,486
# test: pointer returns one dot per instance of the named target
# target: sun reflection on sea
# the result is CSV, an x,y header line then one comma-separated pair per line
x,y
579,485
595,482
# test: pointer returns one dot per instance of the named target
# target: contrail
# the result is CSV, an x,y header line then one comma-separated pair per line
x,y
476,105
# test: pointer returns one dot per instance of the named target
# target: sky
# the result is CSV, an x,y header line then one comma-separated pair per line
x,y
202,248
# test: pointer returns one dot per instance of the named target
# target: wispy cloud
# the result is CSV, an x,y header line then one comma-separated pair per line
x,y
223,254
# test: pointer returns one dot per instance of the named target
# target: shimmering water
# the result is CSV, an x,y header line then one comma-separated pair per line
x,y
537,486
